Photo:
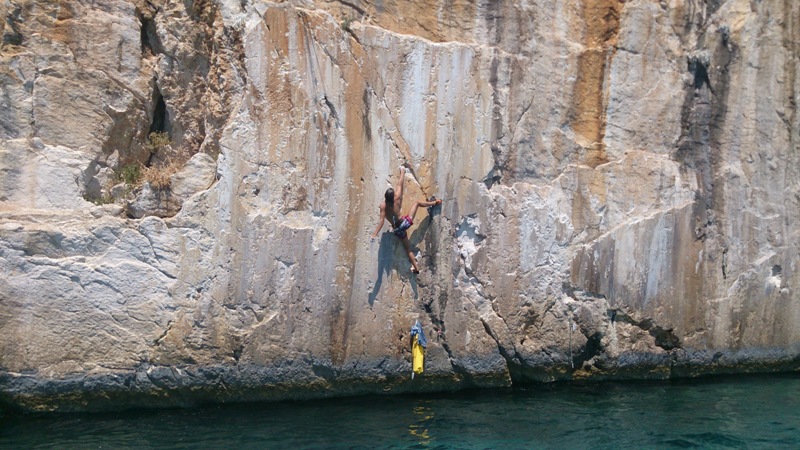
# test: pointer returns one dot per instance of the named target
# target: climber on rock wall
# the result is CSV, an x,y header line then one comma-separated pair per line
x,y
391,210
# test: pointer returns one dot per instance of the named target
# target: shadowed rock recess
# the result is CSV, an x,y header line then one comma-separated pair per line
x,y
186,202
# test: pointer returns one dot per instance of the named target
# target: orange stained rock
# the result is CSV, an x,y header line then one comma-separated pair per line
x,y
587,115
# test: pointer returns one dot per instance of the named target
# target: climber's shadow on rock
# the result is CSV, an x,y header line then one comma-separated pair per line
x,y
392,255
385,251
422,230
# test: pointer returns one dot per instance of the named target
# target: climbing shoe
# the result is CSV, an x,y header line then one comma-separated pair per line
x,y
432,198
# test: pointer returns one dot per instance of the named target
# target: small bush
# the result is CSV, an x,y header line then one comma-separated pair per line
x,y
102,200
346,23
157,140
159,177
131,174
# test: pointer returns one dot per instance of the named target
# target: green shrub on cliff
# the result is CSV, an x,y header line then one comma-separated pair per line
x,y
346,23
157,140
131,174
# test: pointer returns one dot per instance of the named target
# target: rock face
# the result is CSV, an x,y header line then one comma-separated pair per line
x,y
621,186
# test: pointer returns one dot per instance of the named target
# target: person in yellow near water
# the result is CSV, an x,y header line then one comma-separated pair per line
x,y
391,209
418,345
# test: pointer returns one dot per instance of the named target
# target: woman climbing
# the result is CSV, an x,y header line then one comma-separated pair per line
x,y
390,210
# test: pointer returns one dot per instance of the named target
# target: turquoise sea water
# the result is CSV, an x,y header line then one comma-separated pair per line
x,y
730,412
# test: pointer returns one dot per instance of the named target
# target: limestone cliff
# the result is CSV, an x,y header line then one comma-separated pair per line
x,y
187,190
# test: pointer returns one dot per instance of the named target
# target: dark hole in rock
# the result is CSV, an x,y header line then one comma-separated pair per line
x,y
149,36
665,339
160,116
700,72
13,19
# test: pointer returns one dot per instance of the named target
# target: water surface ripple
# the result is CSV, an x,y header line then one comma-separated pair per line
x,y
746,412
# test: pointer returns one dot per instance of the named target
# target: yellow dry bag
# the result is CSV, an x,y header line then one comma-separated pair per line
x,y
417,355
418,344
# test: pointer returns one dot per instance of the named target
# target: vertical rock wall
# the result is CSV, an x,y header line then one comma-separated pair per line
x,y
619,183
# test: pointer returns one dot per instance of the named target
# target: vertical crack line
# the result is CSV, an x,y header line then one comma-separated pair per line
x,y
33,96
411,171
510,353
571,329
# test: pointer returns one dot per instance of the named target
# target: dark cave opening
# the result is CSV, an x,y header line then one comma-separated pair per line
x,y
160,121
700,72
149,35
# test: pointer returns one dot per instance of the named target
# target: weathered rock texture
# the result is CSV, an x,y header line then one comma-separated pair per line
x,y
621,192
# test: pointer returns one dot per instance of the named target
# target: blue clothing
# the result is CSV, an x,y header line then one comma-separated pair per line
x,y
417,330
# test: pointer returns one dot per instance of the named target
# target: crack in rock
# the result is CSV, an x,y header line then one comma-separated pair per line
x,y
663,337
469,240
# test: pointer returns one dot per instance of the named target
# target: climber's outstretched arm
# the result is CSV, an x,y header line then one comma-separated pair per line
x,y
380,222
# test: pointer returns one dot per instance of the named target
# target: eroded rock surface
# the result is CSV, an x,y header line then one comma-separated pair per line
x,y
620,186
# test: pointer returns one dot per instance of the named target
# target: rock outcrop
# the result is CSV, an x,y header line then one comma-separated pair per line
x,y
187,190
